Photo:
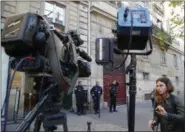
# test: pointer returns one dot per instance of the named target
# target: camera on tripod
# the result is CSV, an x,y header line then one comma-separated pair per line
x,y
38,48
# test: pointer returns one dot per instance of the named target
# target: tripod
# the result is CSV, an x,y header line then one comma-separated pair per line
x,y
46,111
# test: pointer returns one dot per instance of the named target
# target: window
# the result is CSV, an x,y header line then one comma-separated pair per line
x,y
159,23
163,57
175,60
145,76
55,13
177,80
147,96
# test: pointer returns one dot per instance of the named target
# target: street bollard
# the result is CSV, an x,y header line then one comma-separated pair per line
x,y
89,126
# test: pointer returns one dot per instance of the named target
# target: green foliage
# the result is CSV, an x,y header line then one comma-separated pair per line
x,y
163,38
177,20
175,3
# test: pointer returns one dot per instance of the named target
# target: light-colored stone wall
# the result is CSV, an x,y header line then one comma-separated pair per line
x,y
153,66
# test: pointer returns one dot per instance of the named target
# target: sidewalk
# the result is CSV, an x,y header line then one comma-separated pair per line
x,y
79,123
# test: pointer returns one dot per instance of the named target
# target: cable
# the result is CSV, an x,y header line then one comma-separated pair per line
x,y
129,45
9,74
9,89
43,74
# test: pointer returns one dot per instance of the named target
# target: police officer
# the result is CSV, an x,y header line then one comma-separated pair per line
x,y
96,93
80,95
112,91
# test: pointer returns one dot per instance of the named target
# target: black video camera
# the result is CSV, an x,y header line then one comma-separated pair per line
x,y
44,49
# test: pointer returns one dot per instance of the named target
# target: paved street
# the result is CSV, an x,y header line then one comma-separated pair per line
x,y
108,121
143,115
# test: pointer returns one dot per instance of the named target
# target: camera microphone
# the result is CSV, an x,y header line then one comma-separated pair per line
x,y
84,55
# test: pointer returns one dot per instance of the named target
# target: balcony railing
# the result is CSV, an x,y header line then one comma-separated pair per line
x,y
159,9
159,5
164,40
157,31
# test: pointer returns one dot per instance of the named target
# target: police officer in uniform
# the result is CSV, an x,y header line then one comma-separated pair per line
x,y
96,93
112,90
80,95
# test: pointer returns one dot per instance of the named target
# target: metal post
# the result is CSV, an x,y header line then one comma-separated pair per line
x,y
132,93
99,107
30,102
15,112
88,126
6,100
89,45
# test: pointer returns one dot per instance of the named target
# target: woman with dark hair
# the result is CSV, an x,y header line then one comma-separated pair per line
x,y
168,108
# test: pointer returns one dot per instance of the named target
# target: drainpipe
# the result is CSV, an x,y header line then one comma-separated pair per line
x,y
88,45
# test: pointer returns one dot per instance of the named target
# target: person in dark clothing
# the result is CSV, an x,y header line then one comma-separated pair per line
x,y
80,95
168,108
96,93
112,90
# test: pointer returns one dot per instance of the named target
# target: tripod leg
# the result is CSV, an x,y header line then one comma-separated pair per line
x,y
38,123
65,128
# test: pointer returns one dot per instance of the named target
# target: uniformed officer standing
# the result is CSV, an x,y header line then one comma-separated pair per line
x,y
80,95
96,93
112,91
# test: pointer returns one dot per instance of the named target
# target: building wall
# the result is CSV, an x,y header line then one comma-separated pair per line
x,y
153,66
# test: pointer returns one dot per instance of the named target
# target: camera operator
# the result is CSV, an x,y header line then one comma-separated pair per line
x,y
80,97
96,93
112,91
168,108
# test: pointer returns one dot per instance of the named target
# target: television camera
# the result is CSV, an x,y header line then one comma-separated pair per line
x,y
134,31
51,58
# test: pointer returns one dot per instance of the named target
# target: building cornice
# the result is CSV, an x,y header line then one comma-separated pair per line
x,y
100,11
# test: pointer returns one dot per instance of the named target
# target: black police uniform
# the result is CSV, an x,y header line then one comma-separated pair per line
x,y
96,93
80,95
112,91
